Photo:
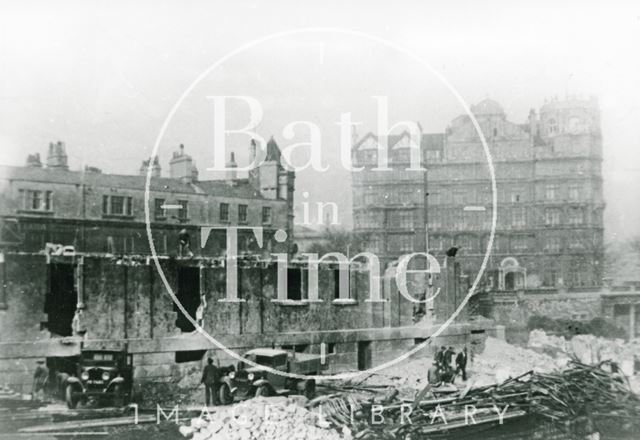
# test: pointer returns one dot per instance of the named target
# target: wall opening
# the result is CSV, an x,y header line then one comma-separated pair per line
x,y
189,296
61,298
298,348
297,279
189,356
418,341
364,355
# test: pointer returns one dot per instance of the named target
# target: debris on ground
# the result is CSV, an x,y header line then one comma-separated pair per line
x,y
272,418
588,349
501,360
573,399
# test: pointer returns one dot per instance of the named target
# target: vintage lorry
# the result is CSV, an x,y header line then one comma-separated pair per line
x,y
104,375
248,381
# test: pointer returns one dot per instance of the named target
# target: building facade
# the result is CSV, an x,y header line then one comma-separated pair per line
x,y
94,212
548,170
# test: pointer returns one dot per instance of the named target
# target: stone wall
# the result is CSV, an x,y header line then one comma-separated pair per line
x,y
513,311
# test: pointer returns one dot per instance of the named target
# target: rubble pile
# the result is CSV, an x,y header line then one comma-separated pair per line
x,y
274,418
579,400
588,349
501,360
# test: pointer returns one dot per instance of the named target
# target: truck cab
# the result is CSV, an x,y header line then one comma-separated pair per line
x,y
248,381
101,374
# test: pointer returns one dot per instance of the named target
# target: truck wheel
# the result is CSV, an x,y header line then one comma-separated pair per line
x,y
310,389
225,394
263,391
72,401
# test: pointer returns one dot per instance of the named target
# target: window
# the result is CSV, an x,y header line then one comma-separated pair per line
x,y
552,217
266,215
296,284
519,244
224,212
576,216
574,192
550,278
516,195
159,212
374,244
242,213
552,244
401,243
36,200
576,242
551,192
117,205
401,219
435,220
369,198
439,243
466,242
518,217
553,126
183,212
48,201
406,197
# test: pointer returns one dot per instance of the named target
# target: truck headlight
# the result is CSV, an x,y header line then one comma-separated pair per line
x,y
105,376
250,376
84,375
232,375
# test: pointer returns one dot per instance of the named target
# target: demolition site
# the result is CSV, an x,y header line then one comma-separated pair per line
x,y
273,335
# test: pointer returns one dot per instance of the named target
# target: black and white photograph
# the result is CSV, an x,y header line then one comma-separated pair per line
x,y
322,220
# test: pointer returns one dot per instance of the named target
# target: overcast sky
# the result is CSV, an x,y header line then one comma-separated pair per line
x,y
102,77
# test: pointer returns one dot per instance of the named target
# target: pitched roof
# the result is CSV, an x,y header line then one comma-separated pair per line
x,y
428,141
241,189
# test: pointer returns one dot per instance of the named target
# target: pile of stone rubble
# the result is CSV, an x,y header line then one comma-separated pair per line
x,y
261,418
501,360
588,349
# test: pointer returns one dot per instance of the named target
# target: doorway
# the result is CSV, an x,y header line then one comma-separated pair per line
x,y
189,296
364,355
61,298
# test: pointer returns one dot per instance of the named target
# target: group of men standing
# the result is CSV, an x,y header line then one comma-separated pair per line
x,y
443,368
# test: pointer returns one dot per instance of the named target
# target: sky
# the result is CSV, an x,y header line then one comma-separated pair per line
x,y
104,76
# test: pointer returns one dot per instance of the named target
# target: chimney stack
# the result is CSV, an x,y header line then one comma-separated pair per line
x,y
33,161
533,124
156,170
57,156
182,167
232,173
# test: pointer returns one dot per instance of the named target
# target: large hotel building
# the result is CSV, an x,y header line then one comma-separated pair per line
x,y
548,170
